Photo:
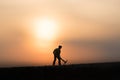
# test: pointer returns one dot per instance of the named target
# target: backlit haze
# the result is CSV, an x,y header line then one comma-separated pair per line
x,y
88,30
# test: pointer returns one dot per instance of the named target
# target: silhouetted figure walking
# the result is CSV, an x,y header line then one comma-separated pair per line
x,y
56,53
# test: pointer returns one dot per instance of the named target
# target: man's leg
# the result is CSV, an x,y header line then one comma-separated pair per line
x,y
59,61
54,60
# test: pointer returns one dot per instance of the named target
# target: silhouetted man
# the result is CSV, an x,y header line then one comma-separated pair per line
x,y
56,53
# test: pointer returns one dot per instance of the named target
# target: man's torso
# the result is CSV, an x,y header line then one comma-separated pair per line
x,y
56,52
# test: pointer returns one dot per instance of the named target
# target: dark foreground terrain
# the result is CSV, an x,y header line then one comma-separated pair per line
x,y
100,71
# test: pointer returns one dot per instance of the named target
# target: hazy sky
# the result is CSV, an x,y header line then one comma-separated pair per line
x,y
89,31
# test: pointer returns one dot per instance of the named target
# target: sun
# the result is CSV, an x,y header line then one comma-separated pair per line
x,y
45,29
45,32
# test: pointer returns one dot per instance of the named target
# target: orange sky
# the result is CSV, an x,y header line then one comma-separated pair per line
x,y
88,30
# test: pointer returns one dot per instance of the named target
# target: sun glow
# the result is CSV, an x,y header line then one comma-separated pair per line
x,y
45,32
45,29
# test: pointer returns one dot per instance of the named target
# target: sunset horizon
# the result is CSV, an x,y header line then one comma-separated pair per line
x,y
89,31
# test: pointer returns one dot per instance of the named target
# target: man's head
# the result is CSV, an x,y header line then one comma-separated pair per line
x,y
59,46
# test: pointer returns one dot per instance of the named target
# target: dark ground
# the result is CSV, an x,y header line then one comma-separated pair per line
x,y
98,71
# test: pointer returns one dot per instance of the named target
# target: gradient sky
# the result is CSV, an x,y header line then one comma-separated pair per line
x,y
89,31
